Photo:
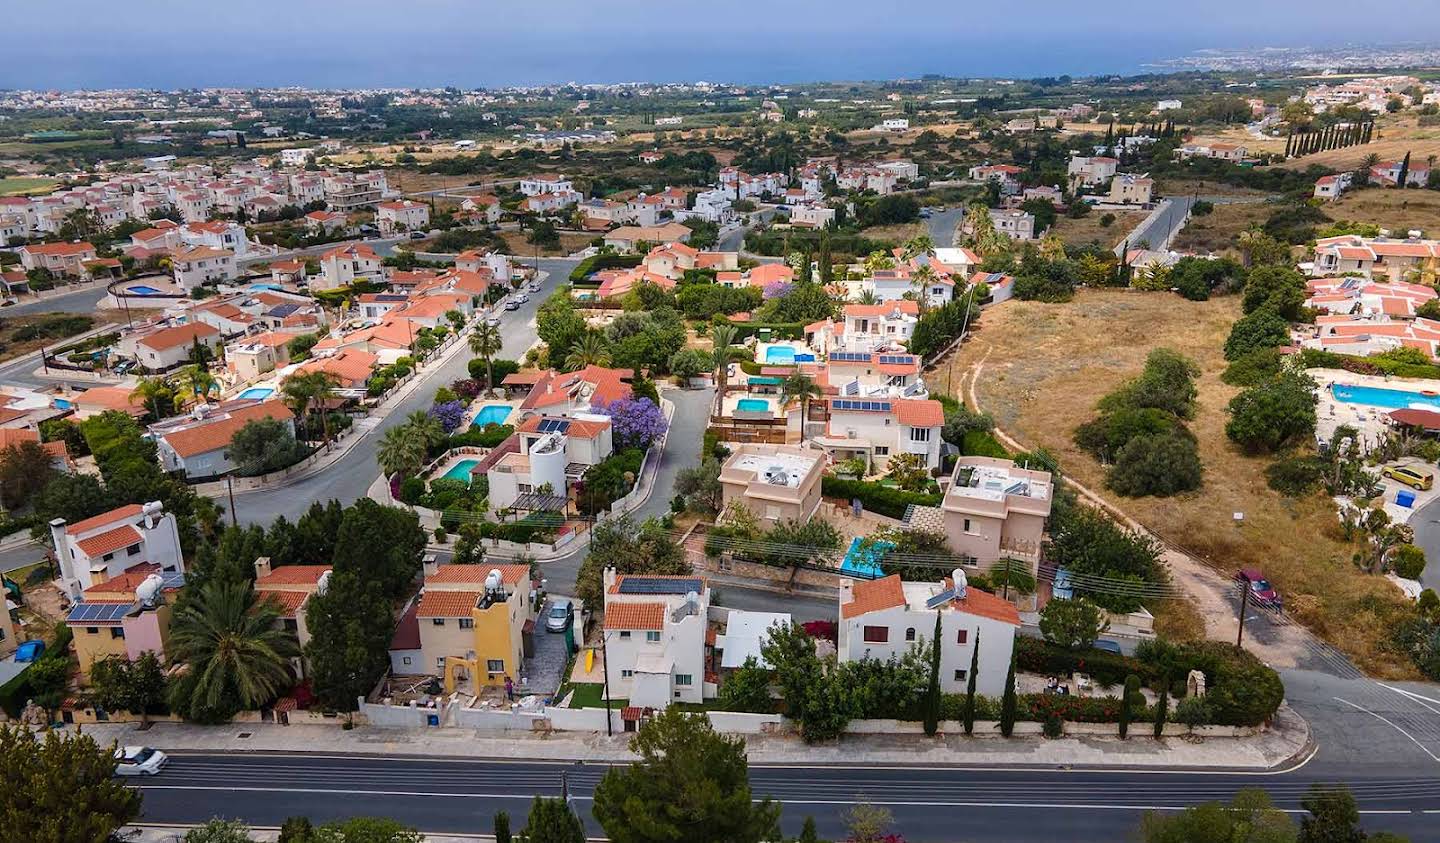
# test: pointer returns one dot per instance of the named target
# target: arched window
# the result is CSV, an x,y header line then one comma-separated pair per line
x,y
910,634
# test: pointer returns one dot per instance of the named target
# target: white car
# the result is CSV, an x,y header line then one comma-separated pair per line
x,y
493,321
523,297
139,761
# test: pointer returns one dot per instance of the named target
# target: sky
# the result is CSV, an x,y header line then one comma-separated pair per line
x,y
483,43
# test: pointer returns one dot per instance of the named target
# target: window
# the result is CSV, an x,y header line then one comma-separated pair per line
x,y
877,634
92,630
684,679
291,625
467,623
960,676
967,528
495,665
919,434
772,512
910,634
626,674
404,659
652,636
107,557
882,450
962,636
524,488
624,635
440,664
132,550
438,621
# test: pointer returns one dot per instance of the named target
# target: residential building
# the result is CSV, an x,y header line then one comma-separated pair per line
x,y
655,629
402,216
866,328
101,548
1411,259
124,617
1367,333
996,509
812,216
874,374
253,356
325,222
216,234
1367,298
348,191
552,453
1131,189
1017,225
886,618
1222,151
350,368
1169,105
775,482
629,238
198,444
1091,171
895,124
346,265
472,621
164,349
199,266
290,588
1387,173
473,260
1332,187
1006,174
875,429
59,258
545,203
572,394
546,183
289,272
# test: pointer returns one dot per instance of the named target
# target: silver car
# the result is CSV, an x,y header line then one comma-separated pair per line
x,y
139,761
560,616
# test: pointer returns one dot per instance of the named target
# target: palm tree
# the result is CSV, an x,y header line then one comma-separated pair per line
x,y
305,390
485,343
236,649
155,394
723,337
920,281
589,351
401,451
200,381
798,385
920,244
426,427
867,297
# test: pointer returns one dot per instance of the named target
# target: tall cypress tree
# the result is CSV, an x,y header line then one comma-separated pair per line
x,y
827,271
932,693
1289,141
502,827
1162,707
1127,699
1404,171
970,686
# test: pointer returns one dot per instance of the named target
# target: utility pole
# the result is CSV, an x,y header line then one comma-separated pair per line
x,y
230,489
1244,603
605,668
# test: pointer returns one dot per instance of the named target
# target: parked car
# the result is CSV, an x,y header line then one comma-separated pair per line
x,y
493,321
417,235
512,305
1422,480
369,230
534,286
1109,646
1260,589
523,297
139,761
560,616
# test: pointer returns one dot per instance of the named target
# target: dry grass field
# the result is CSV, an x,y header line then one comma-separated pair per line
x,y
1087,230
1397,210
1048,364
1393,138
898,233
569,242
1241,136
1215,232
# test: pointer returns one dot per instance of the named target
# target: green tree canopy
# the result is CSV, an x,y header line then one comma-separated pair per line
x,y
60,788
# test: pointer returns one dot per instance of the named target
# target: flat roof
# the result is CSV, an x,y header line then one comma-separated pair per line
x,y
995,483
779,469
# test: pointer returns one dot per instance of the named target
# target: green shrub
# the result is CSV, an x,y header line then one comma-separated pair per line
x,y
412,490
1409,561
982,443
1296,476
1160,465
886,500
778,330
1036,656
1253,367
1260,329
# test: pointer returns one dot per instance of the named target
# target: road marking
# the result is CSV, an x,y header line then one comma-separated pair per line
x,y
1412,695
1391,724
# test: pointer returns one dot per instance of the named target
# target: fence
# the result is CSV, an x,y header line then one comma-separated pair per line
x,y
213,488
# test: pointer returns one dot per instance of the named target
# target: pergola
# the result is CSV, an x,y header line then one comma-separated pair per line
x,y
536,502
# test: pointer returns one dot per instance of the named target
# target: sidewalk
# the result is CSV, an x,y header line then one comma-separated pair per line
x,y
1288,742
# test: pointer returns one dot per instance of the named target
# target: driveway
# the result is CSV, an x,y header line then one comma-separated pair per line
x,y
545,670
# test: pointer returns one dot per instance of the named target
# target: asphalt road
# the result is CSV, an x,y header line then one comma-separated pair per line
x,y
1427,534
943,226
1158,232
928,803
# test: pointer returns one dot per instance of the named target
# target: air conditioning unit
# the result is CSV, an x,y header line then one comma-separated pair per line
x,y
850,433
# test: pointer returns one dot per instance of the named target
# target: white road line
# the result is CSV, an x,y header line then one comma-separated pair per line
x,y
1391,724
1412,695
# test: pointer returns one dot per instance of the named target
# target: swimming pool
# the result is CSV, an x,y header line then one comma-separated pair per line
x,y
1379,396
753,405
491,414
266,287
865,562
142,290
257,392
461,470
784,355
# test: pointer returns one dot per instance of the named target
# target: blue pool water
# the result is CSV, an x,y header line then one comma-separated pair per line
x,y
865,563
266,287
753,405
256,392
63,404
1378,396
142,290
784,354
491,414
461,470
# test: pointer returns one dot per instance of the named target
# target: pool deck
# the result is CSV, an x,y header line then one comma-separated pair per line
x,y
453,460
479,404
1371,421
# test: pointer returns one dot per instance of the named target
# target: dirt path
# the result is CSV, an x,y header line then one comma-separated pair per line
x,y
1282,646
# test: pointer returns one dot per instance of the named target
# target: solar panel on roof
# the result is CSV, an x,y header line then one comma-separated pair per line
x,y
849,357
282,310
940,599
554,425
98,612
901,359
653,585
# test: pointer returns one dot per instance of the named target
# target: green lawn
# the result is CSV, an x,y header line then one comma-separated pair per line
x,y
592,695
20,185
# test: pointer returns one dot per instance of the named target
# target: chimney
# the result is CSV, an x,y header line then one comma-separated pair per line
x,y
609,577
62,549
847,590
262,567
430,565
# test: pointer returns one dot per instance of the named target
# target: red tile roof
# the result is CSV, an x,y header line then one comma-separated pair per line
x,y
476,574
288,602
920,413
109,541
579,428
985,604
447,604
132,510
873,596
178,335
650,616
58,249
216,434
291,575
407,631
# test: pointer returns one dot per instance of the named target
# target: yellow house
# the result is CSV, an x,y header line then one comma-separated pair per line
x,y
125,616
472,622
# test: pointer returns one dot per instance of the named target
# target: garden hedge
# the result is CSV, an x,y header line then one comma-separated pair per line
x,y
778,330
595,263
876,497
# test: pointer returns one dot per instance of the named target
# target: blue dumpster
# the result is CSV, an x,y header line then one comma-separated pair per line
x,y
1405,498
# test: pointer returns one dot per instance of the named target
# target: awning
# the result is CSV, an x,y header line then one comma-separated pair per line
x,y
1428,419
764,380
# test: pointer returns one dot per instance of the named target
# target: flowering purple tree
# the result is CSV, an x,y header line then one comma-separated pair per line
x,y
449,413
636,422
775,291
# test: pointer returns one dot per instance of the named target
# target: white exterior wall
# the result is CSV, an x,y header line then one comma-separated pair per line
x,y
997,641
159,544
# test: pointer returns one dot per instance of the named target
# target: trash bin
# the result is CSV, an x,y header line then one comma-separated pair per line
x,y
1405,498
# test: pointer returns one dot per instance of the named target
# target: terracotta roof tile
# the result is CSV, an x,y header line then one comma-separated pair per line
x,y
447,604
920,413
476,574
986,605
291,575
288,602
217,434
874,596
128,511
649,616
109,541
